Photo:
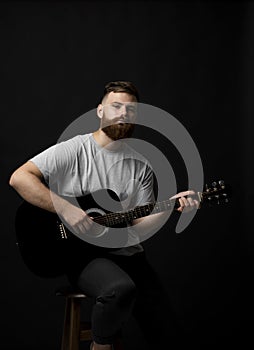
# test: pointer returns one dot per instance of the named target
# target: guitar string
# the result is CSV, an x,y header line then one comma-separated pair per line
x,y
141,211
120,217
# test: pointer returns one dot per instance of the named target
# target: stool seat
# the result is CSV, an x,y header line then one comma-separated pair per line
x,y
69,292
74,331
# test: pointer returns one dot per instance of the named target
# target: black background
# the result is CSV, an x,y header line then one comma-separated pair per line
x,y
192,59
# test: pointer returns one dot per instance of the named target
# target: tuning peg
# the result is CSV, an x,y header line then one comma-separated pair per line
x,y
222,184
214,186
209,201
225,197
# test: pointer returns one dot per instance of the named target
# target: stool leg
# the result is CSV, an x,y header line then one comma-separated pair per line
x,y
118,345
71,331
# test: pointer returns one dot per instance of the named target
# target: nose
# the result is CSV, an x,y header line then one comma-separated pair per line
x,y
123,110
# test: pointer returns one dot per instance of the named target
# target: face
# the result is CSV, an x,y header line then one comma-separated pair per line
x,y
118,114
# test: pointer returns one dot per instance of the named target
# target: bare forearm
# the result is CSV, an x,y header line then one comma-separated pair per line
x,y
154,222
27,181
151,223
31,188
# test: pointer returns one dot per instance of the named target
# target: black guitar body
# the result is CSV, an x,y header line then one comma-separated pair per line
x,y
37,237
43,240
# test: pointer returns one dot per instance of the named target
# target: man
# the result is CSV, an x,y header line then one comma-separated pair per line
x,y
119,280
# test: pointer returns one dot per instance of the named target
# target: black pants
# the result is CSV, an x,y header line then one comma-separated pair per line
x,y
121,286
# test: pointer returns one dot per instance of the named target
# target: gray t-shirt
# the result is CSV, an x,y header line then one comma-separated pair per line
x,y
79,166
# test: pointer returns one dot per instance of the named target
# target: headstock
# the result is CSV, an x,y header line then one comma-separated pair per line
x,y
216,193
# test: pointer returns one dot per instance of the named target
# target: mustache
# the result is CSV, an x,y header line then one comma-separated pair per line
x,y
117,120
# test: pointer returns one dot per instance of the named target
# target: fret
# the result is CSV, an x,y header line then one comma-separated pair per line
x,y
112,219
127,217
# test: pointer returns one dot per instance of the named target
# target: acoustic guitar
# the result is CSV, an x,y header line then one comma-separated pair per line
x,y
43,238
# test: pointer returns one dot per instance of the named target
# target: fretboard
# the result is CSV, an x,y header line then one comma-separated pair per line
x,y
127,217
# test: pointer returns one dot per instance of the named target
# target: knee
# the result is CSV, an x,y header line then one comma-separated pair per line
x,y
122,293
126,292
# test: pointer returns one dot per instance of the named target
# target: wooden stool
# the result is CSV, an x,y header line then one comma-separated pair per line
x,y
74,331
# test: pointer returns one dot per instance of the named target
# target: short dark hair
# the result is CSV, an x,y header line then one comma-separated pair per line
x,y
121,86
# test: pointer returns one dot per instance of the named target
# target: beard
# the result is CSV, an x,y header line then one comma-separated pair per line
x,y
117,131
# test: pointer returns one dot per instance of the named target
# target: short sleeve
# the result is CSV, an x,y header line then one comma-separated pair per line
x,y
145,193
56,163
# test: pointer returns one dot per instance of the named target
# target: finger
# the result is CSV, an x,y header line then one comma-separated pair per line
x,y
84,226
191,202
185,201
187,193
88,223
197,204
78,229
184,194
181,205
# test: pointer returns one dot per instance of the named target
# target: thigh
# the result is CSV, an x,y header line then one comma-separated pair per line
x,y
140,270
101,275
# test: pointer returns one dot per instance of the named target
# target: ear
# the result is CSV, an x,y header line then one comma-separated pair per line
x,y
100,110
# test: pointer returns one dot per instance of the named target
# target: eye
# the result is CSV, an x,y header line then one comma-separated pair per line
x,y
116,105
131,109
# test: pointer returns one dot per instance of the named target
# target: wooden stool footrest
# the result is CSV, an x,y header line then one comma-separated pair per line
x,y
85,331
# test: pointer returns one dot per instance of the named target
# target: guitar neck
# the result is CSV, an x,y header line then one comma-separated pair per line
x,y
127,217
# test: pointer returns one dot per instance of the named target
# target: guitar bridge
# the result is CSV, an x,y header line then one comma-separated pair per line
x,y
62,231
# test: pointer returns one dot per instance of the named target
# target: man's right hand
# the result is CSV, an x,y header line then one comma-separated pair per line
x,y
76,219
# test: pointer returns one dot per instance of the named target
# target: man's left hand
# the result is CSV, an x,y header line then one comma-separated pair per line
x,y
187,201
